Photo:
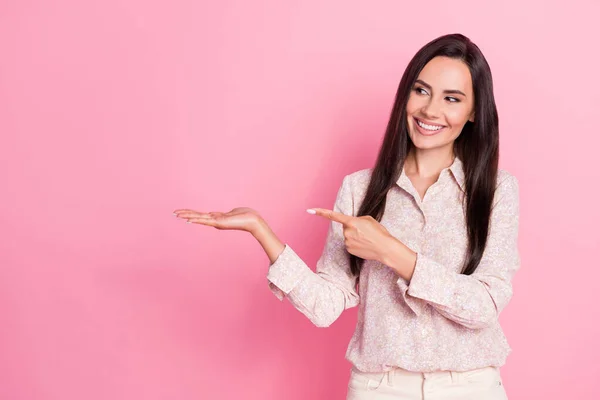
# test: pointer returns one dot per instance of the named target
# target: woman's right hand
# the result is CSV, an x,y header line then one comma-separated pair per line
x,y
241,218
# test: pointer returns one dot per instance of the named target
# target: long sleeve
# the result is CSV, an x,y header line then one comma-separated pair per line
x,y
475,300
324,294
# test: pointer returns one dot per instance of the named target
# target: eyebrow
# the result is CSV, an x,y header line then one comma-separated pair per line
x,y
428,86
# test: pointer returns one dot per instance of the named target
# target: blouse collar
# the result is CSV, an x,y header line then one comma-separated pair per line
x,y
456,170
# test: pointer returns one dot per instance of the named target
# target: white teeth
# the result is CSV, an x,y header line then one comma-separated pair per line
x,y
429,127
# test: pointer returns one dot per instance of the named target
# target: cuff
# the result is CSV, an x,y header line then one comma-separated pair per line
x,y
286,272
276,291
416,305
430,281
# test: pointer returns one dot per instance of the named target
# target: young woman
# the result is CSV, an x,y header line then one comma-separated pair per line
x,y
425,243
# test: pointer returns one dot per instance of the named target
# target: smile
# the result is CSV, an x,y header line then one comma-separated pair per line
x,y
428,129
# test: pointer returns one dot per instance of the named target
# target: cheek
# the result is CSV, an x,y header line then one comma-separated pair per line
x,y
414,103
457,116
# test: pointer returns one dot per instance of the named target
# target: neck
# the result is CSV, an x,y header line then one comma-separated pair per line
x,y
428,163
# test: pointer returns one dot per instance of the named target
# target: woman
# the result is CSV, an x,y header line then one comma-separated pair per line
x,y
425,243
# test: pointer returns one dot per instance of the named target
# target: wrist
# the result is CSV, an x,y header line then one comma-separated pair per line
x,y
265,236
398,257
259,228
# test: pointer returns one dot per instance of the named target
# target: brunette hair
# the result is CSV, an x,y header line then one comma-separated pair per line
x,y
476,146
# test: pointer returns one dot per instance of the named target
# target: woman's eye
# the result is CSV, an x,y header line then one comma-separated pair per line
x,y
453,99
420,90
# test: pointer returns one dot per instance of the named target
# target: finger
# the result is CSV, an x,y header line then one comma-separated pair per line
x,y
180,210
333,215
193,215
201,221
187,210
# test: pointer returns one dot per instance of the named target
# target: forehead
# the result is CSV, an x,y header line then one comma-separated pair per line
x,y
444,73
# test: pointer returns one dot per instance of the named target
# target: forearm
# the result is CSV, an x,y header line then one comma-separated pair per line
x,y
321,296
473,301
270,243
399,257
468,304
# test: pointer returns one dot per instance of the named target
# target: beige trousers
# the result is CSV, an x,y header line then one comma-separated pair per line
x,y
400,384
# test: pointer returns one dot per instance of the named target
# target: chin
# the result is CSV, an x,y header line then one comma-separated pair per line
x,y
427,143
430,145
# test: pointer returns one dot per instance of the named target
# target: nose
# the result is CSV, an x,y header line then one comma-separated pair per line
x,y
431,110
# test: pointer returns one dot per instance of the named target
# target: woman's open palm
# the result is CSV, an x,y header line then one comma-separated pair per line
x,y
240,218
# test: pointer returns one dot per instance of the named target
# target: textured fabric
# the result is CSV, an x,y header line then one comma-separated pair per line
x,y
441,319
399,384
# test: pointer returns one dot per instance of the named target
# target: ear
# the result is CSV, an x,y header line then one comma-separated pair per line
x,y
472,117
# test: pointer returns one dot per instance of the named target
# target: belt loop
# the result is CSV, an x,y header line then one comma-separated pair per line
x,y
454,376
390,375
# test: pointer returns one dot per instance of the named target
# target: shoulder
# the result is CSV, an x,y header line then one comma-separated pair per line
x,y
357,182
353,189
506,180
505,176
360,178
507,187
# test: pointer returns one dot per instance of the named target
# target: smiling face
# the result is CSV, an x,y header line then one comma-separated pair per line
x,y
440,103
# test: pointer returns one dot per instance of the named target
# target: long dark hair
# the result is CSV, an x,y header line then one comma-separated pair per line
x,y
476,146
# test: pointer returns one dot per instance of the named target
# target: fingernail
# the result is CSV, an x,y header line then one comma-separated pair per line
x,y
311,211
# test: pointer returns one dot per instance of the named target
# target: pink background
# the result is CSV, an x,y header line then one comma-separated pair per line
x,y
115,113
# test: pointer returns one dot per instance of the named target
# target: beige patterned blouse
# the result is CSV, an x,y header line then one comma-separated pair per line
x,y
441,319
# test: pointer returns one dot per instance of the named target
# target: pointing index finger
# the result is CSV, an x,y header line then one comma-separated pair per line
x,y
332,215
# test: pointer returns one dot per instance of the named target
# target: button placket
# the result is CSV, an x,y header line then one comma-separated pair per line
x,y
423,233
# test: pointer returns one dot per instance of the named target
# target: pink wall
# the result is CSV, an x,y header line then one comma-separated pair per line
x,y
116,113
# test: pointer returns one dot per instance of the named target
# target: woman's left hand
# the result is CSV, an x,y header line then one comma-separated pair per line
x,y
363,236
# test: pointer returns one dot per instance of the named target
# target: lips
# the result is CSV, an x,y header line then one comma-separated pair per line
x,y
428,129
